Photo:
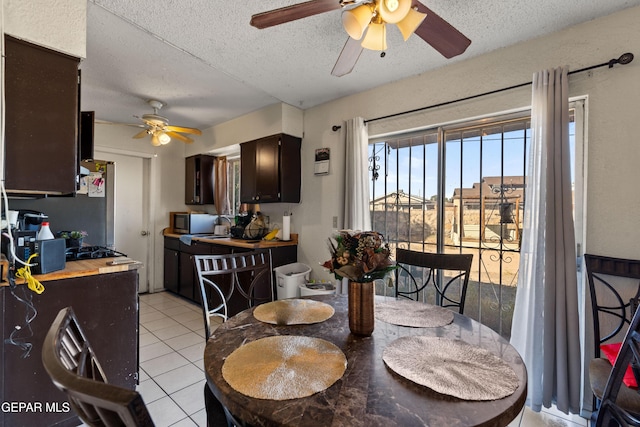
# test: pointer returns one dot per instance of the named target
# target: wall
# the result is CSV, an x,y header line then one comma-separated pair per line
x,y
613,157
57,24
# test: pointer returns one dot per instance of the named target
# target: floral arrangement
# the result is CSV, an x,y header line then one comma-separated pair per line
x,y
360,256
73,234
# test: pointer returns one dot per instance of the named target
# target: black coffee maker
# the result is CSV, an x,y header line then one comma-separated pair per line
x,y
29,220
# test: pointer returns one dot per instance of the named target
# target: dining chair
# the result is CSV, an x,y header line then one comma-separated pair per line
x,y
620,404
71,363
448,274
614,289
219,276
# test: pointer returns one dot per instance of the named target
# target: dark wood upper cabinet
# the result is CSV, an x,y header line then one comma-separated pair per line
x,y
199,179
42,107
270,170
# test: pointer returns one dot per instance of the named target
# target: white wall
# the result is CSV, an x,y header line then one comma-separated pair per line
x,y
613,126
56,24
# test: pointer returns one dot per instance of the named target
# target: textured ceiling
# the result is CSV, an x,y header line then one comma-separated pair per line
x,y
204,60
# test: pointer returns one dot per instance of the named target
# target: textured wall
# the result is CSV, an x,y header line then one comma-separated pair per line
x,y
57,24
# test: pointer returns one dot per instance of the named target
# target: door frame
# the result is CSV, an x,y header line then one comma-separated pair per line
x,y
149,173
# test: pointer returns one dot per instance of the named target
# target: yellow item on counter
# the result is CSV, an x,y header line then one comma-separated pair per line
x,y
25,273
272,234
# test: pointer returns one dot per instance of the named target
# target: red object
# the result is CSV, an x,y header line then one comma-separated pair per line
x,y
611,351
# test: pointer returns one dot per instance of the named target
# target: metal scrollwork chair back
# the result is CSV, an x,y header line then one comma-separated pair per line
x,y
71,363
219,276
417,270
240,272
612,316
619,403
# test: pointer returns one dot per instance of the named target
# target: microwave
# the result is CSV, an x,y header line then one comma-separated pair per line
x,y
193,223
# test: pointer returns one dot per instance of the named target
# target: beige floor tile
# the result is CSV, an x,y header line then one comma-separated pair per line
x,y
154,350
148,338
179,378
171,332
191,398
160,324
165,412
162,364
194,352
150,391
184,341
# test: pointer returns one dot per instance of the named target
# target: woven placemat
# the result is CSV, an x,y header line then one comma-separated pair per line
x,y
293,312
451,367
284,367
413,313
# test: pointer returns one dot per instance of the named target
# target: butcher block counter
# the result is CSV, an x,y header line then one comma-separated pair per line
x,y
105,300
240,243
82,268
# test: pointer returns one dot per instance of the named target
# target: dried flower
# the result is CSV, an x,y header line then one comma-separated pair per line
x,y
360,256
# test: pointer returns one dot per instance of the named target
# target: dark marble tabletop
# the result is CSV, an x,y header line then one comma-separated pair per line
x,y
369,393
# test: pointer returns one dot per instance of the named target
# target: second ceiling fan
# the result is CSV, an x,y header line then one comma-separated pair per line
x,y
365,22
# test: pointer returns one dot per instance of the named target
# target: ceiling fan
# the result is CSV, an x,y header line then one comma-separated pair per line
x,y
367,20
159,129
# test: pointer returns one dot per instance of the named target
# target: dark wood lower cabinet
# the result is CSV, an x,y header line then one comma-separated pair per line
x,y
106,306
179,270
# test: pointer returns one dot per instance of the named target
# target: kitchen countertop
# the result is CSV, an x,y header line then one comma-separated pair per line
x,y
81,268
241,243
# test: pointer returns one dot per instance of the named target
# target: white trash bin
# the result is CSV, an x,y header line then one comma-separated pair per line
x,y
288,279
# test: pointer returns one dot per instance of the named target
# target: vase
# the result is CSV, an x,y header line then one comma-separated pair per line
x,y
73,242
361,319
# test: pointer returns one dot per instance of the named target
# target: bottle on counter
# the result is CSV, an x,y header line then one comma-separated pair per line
x,y
45,232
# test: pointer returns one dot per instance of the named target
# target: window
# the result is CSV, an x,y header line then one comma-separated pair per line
x,y
460,189
233,181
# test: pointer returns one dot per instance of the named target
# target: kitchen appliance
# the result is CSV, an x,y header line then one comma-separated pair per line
x,y
30,219
51,253
194,223
91,252
92,212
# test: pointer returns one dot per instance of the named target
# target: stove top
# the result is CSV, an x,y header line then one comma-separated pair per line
x,y
91,252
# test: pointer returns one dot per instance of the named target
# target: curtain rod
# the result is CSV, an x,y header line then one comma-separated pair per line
x,y
624,59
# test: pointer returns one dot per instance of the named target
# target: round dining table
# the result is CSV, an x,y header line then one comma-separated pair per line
x,y
369,393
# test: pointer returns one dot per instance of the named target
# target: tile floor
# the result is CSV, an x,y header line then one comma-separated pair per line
x,y
172,372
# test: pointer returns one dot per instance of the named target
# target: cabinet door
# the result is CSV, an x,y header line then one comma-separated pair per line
x,y
171,272
248,172
268,170
199,179
41,119
260,170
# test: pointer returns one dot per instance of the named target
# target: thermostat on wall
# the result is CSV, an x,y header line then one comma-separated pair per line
x,y
321,166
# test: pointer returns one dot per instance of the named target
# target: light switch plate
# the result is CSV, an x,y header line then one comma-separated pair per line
x,y
321,168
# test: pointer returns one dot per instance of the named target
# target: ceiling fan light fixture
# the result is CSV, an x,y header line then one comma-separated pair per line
x,y
376,37
410,23
393,11
355,20
155,141
164,138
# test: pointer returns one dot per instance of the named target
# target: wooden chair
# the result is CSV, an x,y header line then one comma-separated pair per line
x,y
612,314
219,276
72,365
619,404
417,270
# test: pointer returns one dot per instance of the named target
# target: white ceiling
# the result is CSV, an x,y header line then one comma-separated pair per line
x,y
204,60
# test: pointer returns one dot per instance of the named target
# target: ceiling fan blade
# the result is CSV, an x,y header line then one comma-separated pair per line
x,y
102,122
140,134
293,12
441,35
348,57
178,136
183,130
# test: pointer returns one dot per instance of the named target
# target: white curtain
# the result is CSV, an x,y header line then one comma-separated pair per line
x,y
545,327
356,182
220,184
